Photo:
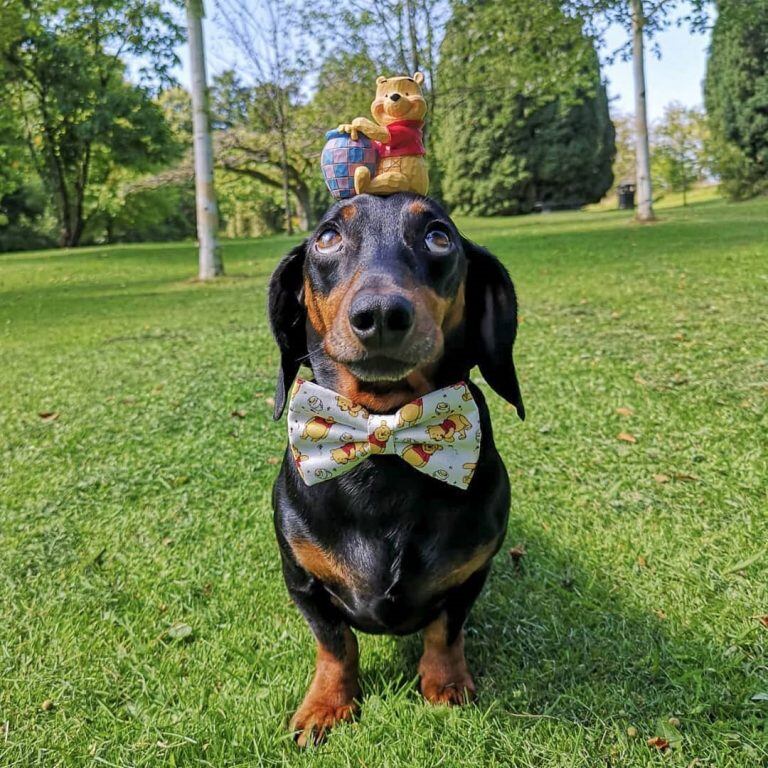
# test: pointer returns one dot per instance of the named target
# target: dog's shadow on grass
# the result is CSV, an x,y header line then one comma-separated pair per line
x,y
553,637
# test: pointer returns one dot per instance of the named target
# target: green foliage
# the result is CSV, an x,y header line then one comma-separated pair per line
x,y
79,116
736,91
24,220
144,509
625,161
680,155
658,15
521,122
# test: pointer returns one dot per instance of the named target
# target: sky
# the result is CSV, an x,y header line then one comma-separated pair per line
x,y
677,76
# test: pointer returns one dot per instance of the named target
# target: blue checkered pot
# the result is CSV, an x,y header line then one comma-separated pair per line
x,y
341,156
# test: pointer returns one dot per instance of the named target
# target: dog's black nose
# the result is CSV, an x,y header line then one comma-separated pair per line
x,y
395,97
381,320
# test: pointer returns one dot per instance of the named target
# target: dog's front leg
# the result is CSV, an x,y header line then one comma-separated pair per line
x,y
333,693
443,672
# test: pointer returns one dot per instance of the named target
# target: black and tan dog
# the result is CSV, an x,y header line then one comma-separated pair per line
x,y
386,302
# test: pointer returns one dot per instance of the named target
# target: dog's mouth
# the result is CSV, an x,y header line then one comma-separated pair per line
x,y
380,368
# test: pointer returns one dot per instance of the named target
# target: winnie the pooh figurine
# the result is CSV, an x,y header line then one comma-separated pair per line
x,y
398,109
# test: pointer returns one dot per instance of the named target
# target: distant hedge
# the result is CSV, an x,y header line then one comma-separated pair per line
x,y
736,94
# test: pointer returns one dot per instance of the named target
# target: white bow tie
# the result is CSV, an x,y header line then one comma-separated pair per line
x,y
438,434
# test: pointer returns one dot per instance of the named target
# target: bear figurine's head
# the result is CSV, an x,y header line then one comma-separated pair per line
x,y
399,98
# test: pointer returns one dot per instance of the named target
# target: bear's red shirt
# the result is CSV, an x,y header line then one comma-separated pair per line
x,y
405,138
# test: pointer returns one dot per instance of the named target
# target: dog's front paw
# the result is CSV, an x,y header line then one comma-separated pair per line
x,y
316,716
443,672
450,689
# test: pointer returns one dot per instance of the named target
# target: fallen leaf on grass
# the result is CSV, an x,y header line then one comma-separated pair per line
x,y
660,614
659,742
238,414
48,415
626,437
180,631
624,411
642,562
273,460
516,554
270,401
686,477
47,705
661,478
763,620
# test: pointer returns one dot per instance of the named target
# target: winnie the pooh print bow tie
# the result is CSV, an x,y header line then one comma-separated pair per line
x,y
438,434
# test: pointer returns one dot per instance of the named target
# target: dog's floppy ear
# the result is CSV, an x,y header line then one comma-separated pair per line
x,y
287,315
492,322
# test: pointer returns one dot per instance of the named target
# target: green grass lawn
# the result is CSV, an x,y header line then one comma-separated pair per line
x,y
144,617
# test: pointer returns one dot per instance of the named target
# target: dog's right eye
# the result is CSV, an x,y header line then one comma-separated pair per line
x,y
328,241
438,241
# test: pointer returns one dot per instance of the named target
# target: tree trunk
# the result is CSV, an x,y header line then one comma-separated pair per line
x,y
303,206
644,193
205,196
286,186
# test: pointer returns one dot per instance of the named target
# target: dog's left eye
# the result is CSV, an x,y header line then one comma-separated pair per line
x,y
438,241
328,241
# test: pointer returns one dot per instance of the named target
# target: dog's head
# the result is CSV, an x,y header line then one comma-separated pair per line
x,y
386,301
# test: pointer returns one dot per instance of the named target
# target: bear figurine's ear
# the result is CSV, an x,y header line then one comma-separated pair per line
x,y
419,78
380,80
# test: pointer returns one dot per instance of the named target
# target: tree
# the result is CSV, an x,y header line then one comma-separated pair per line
x,y
736,95
270,35
510,135
680,142
625,162
241,149
65,79
398,36
642,19
246,144
210,264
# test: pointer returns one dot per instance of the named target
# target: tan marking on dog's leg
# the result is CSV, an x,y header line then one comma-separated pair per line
x,y
445,678
460,572
332,694
320,563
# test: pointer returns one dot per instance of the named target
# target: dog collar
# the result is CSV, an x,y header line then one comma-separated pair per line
x,y
437,434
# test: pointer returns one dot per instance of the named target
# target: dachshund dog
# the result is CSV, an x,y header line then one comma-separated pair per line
x,y
385,302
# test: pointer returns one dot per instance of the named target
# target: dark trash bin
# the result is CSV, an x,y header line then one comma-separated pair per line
x,y
626,193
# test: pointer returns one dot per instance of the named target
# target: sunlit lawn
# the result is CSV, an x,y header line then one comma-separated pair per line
x,y
140,505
